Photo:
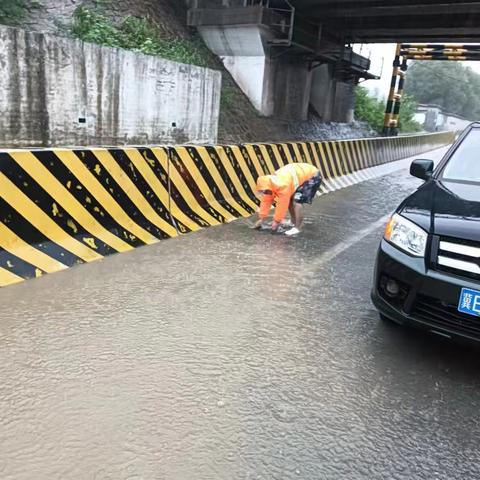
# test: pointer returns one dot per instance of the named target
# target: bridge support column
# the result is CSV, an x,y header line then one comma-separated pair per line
x,y
344,102
276,85
333,99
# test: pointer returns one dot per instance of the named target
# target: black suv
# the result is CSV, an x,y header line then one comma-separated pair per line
x,y
428,265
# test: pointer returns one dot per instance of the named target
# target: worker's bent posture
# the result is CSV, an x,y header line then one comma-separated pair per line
x,y
290,186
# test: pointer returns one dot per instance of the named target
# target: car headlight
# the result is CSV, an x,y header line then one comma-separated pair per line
x,y
406,236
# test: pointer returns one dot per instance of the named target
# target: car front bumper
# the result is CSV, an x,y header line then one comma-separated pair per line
x,y
428,299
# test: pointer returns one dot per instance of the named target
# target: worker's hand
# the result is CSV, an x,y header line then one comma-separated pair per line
x,y
257,225
275,226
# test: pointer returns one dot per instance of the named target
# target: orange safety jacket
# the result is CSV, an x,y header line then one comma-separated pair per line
x,y
283,184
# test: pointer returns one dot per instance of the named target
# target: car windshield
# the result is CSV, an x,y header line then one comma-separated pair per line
x,y
464,165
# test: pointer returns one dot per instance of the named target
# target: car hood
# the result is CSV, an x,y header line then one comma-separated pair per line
x,y
450,209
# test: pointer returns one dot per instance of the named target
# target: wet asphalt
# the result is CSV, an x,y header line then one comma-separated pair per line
x,y
233,354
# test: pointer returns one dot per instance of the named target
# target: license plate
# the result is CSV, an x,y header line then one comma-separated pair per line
x,y
469,302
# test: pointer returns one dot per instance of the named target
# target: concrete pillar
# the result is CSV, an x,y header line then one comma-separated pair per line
x,y
322,91
276,86
292,85
242,51
344,105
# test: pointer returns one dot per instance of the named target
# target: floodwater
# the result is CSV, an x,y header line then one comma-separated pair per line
x,y
233,354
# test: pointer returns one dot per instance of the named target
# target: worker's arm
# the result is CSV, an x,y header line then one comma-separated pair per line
x,y
265,205
283,202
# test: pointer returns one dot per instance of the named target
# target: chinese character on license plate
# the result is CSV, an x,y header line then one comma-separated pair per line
x,y
469,302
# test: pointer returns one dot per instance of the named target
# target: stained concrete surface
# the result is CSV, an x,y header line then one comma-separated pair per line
x,y
232,354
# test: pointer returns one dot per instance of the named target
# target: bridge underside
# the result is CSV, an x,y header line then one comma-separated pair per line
x,y
378,21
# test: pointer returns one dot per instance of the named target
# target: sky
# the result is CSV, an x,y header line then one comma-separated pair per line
x,y
383,54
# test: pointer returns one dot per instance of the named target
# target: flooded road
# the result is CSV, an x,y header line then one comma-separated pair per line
x,y
232,354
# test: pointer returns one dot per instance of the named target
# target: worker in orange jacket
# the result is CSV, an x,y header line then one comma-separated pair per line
x,y
290,186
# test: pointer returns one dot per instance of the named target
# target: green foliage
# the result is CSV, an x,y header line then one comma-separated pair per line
x,y
407,123
450,85
135,34
140,35
369,109
12,12
372,110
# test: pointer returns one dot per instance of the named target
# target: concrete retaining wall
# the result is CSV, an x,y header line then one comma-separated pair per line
x,y
63,207
58,91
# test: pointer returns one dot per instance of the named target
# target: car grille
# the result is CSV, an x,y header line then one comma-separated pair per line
x,y
460,257
438,313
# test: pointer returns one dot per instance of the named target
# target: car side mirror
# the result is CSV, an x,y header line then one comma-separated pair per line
x,y
422,169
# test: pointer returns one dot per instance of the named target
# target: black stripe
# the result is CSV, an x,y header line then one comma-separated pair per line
x,y
262,161
240,174
28,233
319,146
16,265
85,198
303,154
273,158
50,206
282,154
207,177
127,205
226,179
249,162
309,148
192,186
122,159
294,156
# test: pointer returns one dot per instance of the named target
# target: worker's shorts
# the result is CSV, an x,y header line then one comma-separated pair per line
x,y
306,193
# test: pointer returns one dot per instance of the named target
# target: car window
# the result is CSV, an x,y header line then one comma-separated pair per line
x,y
464,165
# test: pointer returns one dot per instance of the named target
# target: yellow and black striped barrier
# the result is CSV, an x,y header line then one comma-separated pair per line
x,y
63,207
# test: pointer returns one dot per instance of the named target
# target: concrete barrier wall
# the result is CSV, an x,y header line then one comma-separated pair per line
x,y
61,207
61,91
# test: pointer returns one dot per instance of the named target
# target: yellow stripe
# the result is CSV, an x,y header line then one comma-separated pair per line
x,y
308,155
298,154
316,160
370,153
341,158
286,150
217,178
324,160
201,183
336,165
122,179
278,155
42,222
234,178
364,158
8,278
253,157
154,183
266,157
264,152
244,167
358,154
72,206
12,243
349,157
333,156
361,154
103,197
338,155
189,198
